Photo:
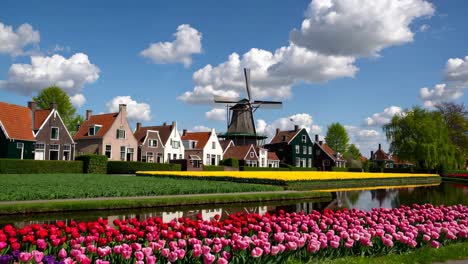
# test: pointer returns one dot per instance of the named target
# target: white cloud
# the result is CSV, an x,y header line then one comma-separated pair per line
x,y
78,100
135,111
217,114
382,118
456,72
424,28
358,27
440,93
187,42
69,74
366,139
303,120
12,42
200,128
272,74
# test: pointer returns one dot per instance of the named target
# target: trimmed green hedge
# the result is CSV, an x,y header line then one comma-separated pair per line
x,y
94,164
231,162
213,168
17,166
339,169
302,169
130,167
247,168
355,170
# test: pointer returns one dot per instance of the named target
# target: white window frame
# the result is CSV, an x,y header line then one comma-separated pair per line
x,y
65,146
213,145
252,155
105,151
40,144
19,145
124,152
153,145
309,163
310,150
147,155
118,134
58,150
304,139
208,159
297,149
304,150
94,127
130,151
58,133
298,162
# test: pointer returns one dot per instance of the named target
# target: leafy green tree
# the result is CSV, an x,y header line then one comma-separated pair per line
x,y
422,137
354,152
54,94
456,119
337,138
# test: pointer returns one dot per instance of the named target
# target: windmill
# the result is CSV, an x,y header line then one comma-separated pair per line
x,y
240,120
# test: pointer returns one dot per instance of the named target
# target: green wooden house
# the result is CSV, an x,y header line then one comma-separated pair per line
x,y
16,133
293,147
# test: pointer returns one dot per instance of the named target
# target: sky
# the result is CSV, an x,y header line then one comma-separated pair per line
x,y
356,62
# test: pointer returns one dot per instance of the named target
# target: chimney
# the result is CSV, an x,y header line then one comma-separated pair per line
x,y
53,106
123,108
296,128
277,131
138,126
320,142
184,132
174,123
380,146
89,113
32,106
372,155
78,125
316,138
164,124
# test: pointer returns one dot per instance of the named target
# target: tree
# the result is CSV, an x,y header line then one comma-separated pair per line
x,y
54,94
421,136
337,138
354,152
456,120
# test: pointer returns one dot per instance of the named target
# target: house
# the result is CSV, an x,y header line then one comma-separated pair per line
x,y
246,155
399,163
325,157
207,142
16,134
381,159
166,142
107,134
262,157
226,144
53,141
293,147
273,160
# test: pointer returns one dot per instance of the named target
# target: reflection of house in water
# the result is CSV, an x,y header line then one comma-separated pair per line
x,y
208,214
169,216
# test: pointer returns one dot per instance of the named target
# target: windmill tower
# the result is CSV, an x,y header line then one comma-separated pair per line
x,y
240,119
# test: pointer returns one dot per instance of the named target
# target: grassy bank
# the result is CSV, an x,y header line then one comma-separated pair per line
x,y
16,187
423,255
146,202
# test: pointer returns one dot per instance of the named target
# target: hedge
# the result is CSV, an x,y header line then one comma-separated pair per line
x,y
231,162
94,164
130,167
302,169
17,166
355,169
339,169
247,168
213,168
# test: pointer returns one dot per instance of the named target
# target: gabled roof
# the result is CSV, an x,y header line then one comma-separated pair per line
x,y
200,137
272,156
329,151
16,121
287,135
164,132
104,120
381,155
397,160
225,144
39,117
239,152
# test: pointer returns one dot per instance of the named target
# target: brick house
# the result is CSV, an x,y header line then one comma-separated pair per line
x,y
246,155
150,146
16,134
207,142
325,157
381,159
107,134
53,141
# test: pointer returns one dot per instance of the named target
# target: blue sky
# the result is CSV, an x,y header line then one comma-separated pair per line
x,y
380,70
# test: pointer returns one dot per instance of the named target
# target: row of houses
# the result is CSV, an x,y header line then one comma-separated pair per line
x,y
31,133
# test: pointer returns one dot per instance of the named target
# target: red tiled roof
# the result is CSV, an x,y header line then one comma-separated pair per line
x,y
363,159
201,138
380,155
39,117
272,156
17,121
238,152
397,160
225,143
164,132
105,120
287,135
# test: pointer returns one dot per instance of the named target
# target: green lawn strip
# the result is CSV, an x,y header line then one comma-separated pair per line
x,y
456,251
146,202
456,179
16,187
314,185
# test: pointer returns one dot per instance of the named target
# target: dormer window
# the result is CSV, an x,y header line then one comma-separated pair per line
x,y
93,130
304,139
284,138
193,144
121,134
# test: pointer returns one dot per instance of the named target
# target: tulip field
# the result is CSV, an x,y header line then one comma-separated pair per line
x,y
239,237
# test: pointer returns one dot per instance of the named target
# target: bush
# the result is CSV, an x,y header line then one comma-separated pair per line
x,y
17,166
130,167
95,164
339,169
231,162
213,168
355,169
301,169
246,168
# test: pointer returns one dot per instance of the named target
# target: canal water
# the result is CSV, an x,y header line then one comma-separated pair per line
x,y
444,193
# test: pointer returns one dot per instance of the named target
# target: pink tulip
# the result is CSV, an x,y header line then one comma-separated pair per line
x,y
37,255
100,261
139,255
62,253
25,256
150,259
41,244
208,258
257,252
435,244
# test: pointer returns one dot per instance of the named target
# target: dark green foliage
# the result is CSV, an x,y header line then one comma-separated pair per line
x,y
213,168
130,167
353,152
302,169
247,168
354,169
339,169
17,166
337,138
231,162
96,164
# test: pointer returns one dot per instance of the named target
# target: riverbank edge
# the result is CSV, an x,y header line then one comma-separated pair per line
x,y
118,203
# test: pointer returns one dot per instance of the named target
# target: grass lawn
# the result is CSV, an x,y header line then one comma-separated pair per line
x,y
17,187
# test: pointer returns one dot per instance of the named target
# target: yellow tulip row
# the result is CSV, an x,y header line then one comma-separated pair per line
x,y
284,175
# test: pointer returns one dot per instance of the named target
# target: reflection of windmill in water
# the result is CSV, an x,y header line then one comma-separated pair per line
x,y
240,120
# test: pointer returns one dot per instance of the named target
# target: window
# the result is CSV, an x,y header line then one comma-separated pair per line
x,y
121,134
168,157
175,144
149,157
326,162
180,156
54,133
67,147
263,163
54,151
298,162
123,153
317,152
304,139
297,149
309,162
174,156
93,130
108,151
284,138
20,145
54,147
213,145
252,155
218,159
310,150
129,154
208,159
304,150
194,144
303,163
39,146
153,143
66,152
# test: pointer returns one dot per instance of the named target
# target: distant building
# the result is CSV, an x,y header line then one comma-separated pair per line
x,y
273,160
107,134
246,155
206,142
381,159
325,157
16,132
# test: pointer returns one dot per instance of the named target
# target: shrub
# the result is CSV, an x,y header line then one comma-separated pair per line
x,y
355,169
130,167
301,169
246,168
95,164
17,166
213,168
231,162
339,169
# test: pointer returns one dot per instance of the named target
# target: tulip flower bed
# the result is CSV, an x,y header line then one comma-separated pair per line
x,y
239,238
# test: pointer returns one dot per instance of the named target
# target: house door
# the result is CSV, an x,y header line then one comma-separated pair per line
x,y
213,160
129,154
39,155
